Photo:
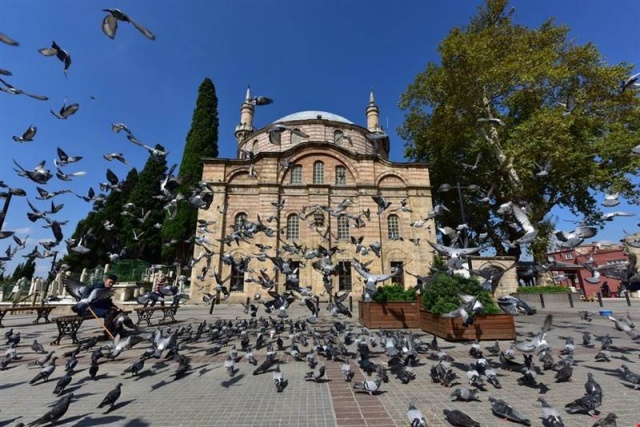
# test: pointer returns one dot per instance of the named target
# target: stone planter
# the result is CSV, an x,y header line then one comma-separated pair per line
x,y
485,327
389,315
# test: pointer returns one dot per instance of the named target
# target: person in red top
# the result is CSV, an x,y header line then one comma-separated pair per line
x,y
161,282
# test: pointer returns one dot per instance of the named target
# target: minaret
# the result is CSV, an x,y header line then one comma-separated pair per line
x,y
245,127
373,117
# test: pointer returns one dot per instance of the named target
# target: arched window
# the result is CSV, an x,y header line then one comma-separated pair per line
x,y
337,136
296,174
254,147
241,221
293,227
341,175
343,227
318,172
393,227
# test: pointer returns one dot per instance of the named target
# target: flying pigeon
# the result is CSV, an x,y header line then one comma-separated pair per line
x,y
8,40
83,294
15,91
110,24
27,136
60,53
66,111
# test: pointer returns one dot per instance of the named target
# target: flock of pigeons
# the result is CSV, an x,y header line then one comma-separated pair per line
x,y
199,196
267,345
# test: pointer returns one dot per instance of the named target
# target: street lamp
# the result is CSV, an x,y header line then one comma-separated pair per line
x,y
447,187
463,229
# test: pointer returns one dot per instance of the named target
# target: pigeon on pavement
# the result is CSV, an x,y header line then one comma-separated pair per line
x,y
504,410
111,397
458,418
55,413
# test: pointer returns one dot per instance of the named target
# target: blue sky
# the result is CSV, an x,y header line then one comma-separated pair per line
x,y
305,55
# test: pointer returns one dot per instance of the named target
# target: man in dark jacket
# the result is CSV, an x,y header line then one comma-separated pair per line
x,y
104,307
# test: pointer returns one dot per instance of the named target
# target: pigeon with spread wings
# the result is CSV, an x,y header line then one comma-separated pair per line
x,y
110,24
59,53
85,295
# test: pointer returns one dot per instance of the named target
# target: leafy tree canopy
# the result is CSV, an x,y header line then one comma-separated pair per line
x,y
521,98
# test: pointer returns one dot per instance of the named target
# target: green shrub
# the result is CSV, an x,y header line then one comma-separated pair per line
x,y
394,293
441,295
543,290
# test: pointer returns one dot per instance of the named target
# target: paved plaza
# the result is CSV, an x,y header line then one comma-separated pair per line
x,y
208,396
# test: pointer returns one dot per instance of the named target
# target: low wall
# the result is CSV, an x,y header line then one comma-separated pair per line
x,y
553,298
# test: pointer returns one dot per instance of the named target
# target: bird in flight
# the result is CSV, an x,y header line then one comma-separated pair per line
x,y
110,24
15,91
27,136
66,111
8,40
60,53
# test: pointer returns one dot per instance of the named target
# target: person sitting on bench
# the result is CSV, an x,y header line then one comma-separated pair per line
x,y
96,300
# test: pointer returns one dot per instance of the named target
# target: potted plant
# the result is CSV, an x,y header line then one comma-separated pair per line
x,y
441,296
392,307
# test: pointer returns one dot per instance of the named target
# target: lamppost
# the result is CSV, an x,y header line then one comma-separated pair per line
x,y
463,230
7,195
447,187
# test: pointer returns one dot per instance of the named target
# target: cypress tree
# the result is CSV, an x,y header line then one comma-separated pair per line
x,y
202,141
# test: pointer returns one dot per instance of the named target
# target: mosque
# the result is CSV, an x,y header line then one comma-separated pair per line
x,y
284,174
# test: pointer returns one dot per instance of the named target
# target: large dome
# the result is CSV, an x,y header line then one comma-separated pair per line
x,y
309,115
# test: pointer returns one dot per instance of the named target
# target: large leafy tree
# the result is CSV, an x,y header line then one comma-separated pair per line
x,y
520,98
202,141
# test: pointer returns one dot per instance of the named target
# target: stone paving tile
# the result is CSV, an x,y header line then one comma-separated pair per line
x,y
209,397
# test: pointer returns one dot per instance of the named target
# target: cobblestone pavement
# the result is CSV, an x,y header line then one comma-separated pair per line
x,y
208,396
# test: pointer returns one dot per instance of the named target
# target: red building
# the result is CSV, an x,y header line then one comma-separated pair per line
x,y
571,267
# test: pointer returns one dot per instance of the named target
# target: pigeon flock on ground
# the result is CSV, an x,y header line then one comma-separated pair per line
x,y
267,346
264,341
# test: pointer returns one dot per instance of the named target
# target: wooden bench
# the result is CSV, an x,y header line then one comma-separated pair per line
x,y
43,312
69,325
145,313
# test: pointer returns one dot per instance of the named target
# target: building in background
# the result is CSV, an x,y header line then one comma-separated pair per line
x,y
283,173
573,267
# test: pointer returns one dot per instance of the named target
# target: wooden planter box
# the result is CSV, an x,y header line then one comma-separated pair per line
x,y
485,327
389,315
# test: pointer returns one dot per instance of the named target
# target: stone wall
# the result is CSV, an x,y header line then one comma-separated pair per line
x,y
509,282
236,192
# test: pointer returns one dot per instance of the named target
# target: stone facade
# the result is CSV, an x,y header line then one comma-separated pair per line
x,y
353,167
509,282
